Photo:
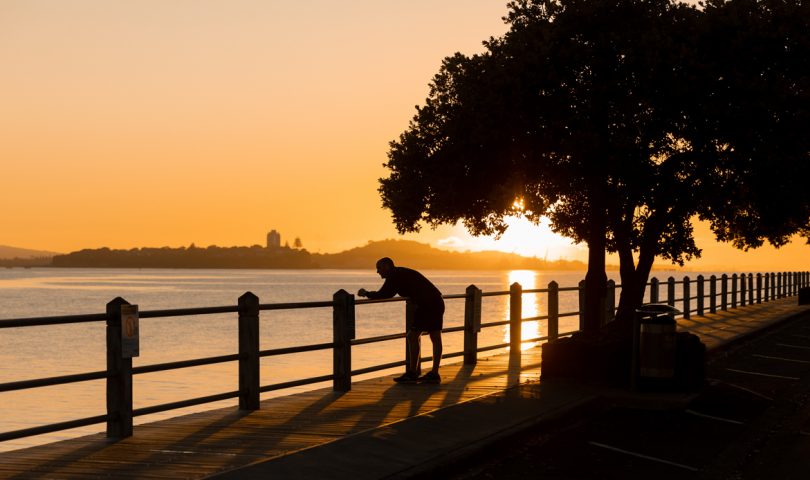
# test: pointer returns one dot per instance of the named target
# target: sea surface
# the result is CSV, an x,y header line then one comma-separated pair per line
x,y
39,352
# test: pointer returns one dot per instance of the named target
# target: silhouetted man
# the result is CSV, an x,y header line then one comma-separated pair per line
x,y
428,315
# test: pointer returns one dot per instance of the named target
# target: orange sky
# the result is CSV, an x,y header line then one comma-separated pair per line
x,y
154,123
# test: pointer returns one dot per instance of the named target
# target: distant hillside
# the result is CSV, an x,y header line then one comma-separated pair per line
x,y
7,252
404,252
192,257
419,255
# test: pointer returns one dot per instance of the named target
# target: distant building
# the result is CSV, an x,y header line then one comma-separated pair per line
x,y
273,239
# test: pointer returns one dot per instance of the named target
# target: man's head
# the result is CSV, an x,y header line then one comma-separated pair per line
x,y
385,266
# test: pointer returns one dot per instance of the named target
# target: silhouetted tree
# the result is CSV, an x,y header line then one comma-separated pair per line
x,y
752,64
297,243
594,114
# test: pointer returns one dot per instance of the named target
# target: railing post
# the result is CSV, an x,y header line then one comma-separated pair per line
x,y
248,306
687,293
779,292
759,287
515,318
773,286
582,305
734,291
119,376
794,283
750,289
776,285
410,311
610,302
724,292
713,294
342,334
742,290
700,294
768,283
654,290
553,311
472,324
671,291
767,286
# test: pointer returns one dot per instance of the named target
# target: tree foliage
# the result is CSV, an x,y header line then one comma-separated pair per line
x,y
620,120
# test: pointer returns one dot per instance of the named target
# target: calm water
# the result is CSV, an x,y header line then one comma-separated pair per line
x,y
36,352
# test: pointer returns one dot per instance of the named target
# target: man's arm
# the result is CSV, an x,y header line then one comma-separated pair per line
x,y
388,290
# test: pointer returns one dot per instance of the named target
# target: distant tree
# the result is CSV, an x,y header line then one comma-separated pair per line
x,y
594,114
297,243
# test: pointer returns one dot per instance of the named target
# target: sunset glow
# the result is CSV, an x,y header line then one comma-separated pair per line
x,y
150,124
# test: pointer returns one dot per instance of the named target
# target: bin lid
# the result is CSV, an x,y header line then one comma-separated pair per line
x,y
658,309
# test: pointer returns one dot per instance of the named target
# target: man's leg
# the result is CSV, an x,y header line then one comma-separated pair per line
x,y
436,340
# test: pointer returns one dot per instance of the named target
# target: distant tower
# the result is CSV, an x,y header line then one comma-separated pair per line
x,y
273,239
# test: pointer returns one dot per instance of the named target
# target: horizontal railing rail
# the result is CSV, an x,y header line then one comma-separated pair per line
x,y
720,292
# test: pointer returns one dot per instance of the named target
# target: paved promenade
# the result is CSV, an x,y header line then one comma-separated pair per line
x,y
378,430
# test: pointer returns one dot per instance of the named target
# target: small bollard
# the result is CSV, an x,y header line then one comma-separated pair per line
x,y
804,296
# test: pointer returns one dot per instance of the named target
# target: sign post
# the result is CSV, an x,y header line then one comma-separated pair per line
x,y
130,338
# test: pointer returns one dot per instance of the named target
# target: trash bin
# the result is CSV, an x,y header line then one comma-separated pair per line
x,y
654,341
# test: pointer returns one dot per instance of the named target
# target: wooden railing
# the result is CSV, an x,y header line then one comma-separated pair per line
x,y
119,372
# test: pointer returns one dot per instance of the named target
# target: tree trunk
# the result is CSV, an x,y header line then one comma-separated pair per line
x,y
595,279
634,284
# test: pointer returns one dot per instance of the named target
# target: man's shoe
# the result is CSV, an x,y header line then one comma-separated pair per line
x,y
408,377
430,377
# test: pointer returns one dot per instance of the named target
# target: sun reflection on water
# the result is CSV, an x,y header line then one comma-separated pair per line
x,y
530,308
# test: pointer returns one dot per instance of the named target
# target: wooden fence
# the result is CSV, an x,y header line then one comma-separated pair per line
x,y
744,289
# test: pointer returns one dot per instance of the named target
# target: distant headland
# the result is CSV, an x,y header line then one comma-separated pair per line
x,y
275,256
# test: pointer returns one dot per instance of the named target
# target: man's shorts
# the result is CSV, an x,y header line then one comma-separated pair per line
x,y
428,318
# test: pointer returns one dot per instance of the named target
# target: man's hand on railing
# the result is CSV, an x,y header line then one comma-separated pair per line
x,y
362,292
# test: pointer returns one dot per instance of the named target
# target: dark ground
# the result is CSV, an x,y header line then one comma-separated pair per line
x,y
751,421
